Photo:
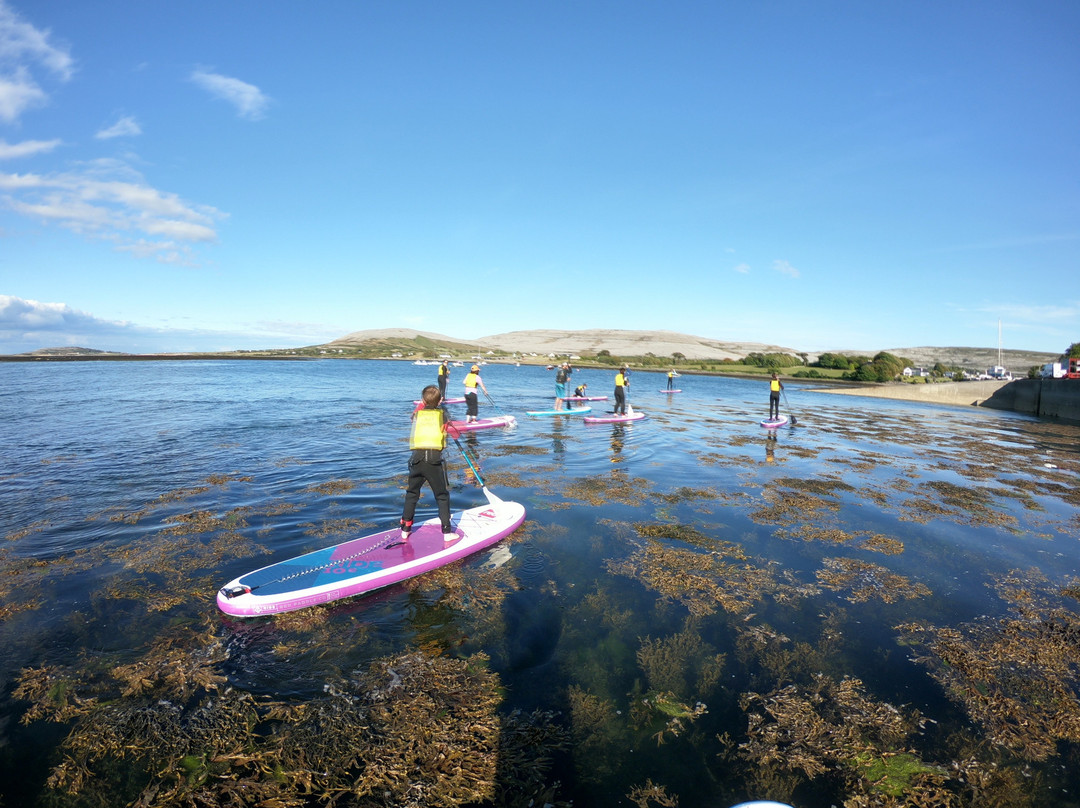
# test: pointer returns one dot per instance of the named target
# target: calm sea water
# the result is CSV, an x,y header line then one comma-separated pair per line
x,y
697,608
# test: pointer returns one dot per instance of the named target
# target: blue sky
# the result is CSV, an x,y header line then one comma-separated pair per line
x,y
819,175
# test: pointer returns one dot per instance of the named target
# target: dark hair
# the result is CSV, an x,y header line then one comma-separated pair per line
x,y
431,396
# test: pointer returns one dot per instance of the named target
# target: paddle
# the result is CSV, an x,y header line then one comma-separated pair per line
x,y
491,401
787,406
494,500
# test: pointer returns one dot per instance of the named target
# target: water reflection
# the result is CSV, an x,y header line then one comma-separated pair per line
x,y
883,611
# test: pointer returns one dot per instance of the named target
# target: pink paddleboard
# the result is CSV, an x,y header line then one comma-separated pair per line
x,y
636,415
483,423
368,563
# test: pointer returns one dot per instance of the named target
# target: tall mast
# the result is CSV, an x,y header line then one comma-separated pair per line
x,y
999,343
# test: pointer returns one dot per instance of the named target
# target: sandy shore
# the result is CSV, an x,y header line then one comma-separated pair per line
x,y
967,394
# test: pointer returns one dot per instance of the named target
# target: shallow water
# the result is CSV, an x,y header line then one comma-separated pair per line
x,y
696,608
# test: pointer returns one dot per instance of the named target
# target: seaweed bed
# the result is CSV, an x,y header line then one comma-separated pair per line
x,y
750,633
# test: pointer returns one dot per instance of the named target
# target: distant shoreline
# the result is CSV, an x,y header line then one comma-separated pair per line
x,y
147,357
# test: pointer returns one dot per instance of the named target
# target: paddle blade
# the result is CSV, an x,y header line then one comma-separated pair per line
x,y
629,410
491,498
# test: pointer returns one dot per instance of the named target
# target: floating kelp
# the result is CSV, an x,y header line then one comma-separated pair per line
x,y
20,580
788,506
332,488
173,551
882,544
971,506
702,582
336,527
511,450
615,487
315,633
864,540
868,581
176,495
686,494
1018,676
688,534
53,694
814,533
36,527
505,479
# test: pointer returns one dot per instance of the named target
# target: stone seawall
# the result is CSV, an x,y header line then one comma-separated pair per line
x,y
1053,398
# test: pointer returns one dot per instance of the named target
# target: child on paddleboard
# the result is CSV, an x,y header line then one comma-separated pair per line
x,y
472,381
622,382
775,386
562,376
443,377
427,441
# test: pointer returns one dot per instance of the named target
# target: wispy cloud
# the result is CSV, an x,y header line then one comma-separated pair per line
x,y
785,268
742,269
249,100
23,49
1062,312
109,200
28,148
1029,240
125,127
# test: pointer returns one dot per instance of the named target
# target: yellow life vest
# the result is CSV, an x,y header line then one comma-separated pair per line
x,y
774,385
619,380
443,370
471,380
427,430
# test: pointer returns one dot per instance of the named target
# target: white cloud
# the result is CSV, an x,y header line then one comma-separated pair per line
x,y
21,41
28,325
108,200
18,92
249,100
22,320
743,269
125,127
22,48
28,148
785,268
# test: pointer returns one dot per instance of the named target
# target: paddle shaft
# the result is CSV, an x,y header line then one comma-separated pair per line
x,y
468,460
794,420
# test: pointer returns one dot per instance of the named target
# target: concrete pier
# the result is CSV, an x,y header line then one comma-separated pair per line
x,y
1053,398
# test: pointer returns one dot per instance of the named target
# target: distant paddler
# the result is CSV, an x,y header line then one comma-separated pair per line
x,y
472,402
444,376
775,386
